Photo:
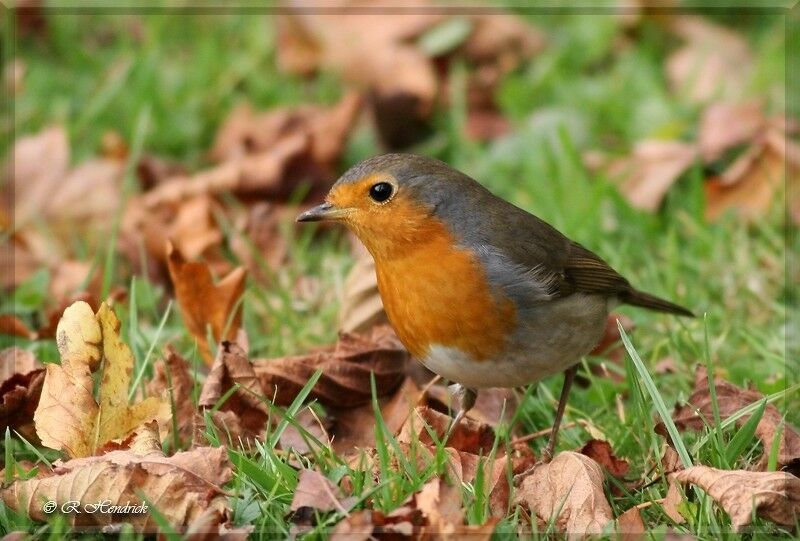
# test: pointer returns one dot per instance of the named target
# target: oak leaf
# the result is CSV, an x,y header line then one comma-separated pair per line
x,y
68,417
569,489
774,496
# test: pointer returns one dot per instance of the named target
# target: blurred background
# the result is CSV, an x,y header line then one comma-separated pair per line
x,y
660,138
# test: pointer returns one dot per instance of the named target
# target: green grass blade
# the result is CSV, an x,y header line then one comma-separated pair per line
x,y
661,407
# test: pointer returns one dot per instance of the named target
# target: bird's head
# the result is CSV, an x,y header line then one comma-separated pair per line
x,y
391,202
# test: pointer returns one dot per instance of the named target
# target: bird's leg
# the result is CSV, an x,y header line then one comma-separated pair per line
x,y
463,398
569,376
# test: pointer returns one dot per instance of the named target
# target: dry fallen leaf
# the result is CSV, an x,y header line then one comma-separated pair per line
x,y
630,525
730,399
183,487
354,428
11,325
21,379
203,303
714,62
173,380
317,492
601,452
231,366
652,168
774,496
393,58
749,184
68,417
571,486
347,369
362,307
469,436
725,125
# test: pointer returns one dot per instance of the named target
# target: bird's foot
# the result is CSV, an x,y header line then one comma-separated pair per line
x,y
462,400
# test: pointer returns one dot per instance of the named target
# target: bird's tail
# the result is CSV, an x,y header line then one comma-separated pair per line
x,y
645,300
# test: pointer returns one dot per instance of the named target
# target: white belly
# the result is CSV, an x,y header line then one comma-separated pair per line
x,y
546,343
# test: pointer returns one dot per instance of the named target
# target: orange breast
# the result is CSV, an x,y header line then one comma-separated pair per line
x,y
437,294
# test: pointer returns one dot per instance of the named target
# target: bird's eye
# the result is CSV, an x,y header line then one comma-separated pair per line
x,y
381,192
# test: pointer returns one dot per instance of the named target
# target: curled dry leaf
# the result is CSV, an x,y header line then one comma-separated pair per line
x,y
602,453
21,379
183,487
774,496
749,184
203,303
68,417
571,486
730,399
714,62
347,368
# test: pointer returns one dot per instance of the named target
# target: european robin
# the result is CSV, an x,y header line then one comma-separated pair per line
x,y
480,291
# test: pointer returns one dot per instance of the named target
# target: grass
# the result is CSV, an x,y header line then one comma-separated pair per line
x,y
166,81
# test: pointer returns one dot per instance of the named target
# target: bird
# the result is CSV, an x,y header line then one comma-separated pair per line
x,y
482,292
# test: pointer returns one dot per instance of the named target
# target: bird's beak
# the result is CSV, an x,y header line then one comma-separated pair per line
x,y
325,211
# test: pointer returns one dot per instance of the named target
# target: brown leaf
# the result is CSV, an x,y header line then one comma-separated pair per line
x,y
316,491
401,523
355,427
672,502
174,380
388,57
68,417
204,304
601,452
730,399
260,240
726,125
630,525
13,326
468,436
362,307
774,496
347,368
183,487
572,486
231,366
268,155
440,504
653,167
714,62
749,184
21,379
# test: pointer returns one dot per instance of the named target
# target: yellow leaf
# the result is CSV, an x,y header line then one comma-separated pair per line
x,y
68,417
117,418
